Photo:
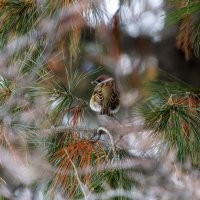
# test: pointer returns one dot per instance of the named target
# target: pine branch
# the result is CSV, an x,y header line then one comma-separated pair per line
x,y
64,17
182,11
62,129
77,176
172,109
187,12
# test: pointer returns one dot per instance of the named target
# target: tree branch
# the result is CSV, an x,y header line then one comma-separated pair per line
x,y
62,129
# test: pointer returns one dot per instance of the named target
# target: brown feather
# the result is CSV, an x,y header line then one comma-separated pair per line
x,y
106,95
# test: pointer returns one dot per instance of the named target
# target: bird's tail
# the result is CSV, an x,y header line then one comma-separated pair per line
x,y
106,110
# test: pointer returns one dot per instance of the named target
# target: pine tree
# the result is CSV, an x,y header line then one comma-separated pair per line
x,y
52,145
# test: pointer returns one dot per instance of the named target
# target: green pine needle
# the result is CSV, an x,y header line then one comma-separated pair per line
x,y
179,13
18,17
172,109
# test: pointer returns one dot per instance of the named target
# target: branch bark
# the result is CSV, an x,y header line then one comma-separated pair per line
x,y
62,129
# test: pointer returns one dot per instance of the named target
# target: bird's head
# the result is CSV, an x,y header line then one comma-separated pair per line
x,y
101,79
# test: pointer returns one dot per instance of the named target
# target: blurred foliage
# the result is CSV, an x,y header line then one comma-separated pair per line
x,y
172,109
6,88
34,98
17,17
187,13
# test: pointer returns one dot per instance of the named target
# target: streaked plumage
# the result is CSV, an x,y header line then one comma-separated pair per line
x,y
105,98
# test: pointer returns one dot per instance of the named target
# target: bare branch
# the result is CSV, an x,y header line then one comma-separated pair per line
x,y
62,129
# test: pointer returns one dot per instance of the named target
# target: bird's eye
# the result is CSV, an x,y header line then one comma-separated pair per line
x,y
94,82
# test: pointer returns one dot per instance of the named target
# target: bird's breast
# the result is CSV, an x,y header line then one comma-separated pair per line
x,y
94,105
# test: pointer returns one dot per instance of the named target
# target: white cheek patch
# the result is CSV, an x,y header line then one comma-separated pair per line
x,y
95,106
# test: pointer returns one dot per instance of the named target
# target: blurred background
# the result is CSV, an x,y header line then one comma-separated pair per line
x,y
50,51
133,41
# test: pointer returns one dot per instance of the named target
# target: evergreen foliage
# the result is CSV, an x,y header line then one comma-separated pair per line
x,y
172,109
43,112
187,13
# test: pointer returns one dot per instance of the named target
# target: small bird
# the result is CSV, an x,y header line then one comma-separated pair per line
x,y
105,98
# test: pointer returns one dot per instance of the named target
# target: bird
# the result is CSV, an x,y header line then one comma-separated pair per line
x,y
105,98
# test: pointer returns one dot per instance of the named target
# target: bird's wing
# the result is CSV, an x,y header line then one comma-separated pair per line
x,y
115,98
102,95
98,95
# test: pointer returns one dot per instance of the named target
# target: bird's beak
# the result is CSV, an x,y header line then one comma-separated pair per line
x,y
94,82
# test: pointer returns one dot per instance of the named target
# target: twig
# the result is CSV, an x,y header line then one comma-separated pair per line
x,y
62,129
68,18
77,175
142,164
